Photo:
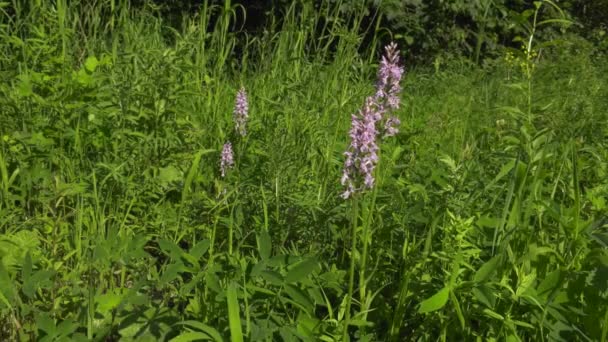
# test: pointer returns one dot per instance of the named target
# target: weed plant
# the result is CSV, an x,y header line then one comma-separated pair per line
x,y
488,219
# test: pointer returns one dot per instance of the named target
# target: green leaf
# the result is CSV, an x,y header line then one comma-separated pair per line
x,y
171,272
234,317
25,88
37,280
300,297
198,250
525,283
522,324
193,172
272,277
458,309
7,291
503,172
26,271
257,269
66,328
493,314
550,283
485,295
486,270
360,323
107,302
91,63
436,302
212,281
170,248
168,175
46,324
301,270
555,21
308,326
191,336
264,244
211,332
279,260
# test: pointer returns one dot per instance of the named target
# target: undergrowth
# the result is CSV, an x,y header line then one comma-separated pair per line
x,y
488,219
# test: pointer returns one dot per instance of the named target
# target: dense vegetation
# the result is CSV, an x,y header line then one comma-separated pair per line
x,y
123,217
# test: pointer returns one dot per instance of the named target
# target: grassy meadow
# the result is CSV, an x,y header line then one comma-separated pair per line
x,y
488,219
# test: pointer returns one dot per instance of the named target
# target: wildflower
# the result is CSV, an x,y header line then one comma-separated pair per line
x,y
389,76
241,109
227,161
362,154
390,126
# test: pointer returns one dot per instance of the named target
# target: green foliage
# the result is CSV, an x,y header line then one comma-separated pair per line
x,y
489,220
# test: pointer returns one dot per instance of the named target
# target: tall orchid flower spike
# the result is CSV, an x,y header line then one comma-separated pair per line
x,y
241,112
227,161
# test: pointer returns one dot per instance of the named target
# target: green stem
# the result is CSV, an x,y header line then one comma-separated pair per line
x,y
364,239
230,230
351,277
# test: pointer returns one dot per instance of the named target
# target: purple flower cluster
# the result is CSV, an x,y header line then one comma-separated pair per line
x,y
227,161
240,115
389,76
241,110
362,153
388,88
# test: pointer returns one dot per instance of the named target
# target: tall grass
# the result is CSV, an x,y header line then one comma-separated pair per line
x,y
489,216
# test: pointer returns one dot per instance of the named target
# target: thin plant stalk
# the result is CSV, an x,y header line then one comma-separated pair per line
x,y
366,225
351,275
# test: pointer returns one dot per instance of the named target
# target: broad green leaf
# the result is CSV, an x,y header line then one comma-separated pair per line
x,y
212,281
308,326
435,302
7,291
91,63
279,260
487,221
486,270
485,295
503,172
272,277
193,172
550,283
264,244
171,272
287,333
198,250
168,175
234,317
191,336
25,88
107,302
170,248
300,297
35,281
301,270
210,333
258,268
66,328
525,283
45,323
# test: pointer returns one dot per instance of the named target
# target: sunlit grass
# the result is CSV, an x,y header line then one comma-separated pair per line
x,y
488,220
